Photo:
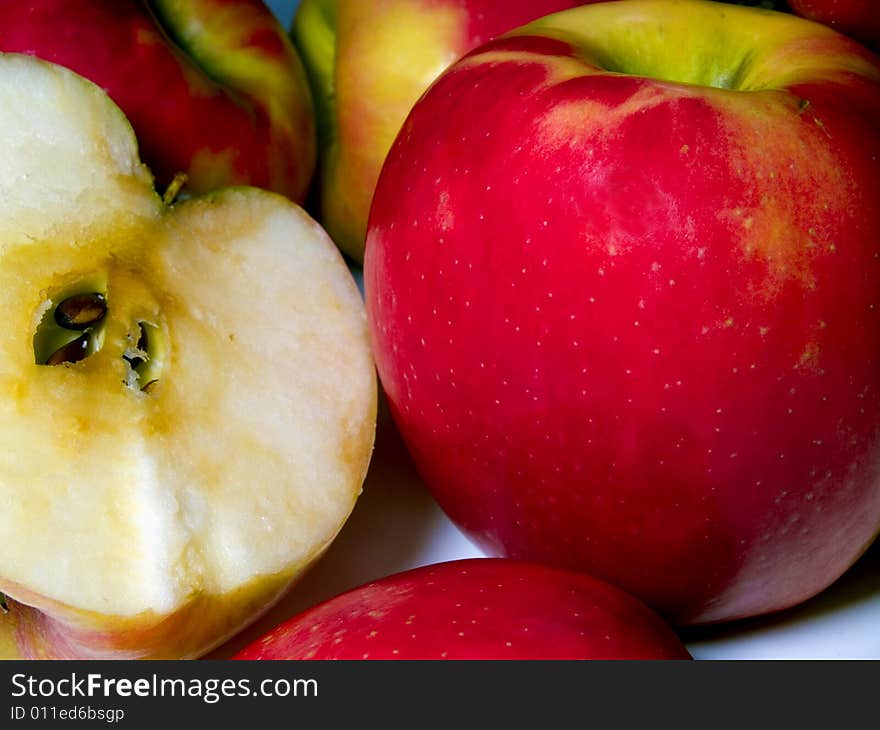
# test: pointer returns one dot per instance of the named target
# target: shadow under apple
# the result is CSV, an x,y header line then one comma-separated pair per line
x,y
839,623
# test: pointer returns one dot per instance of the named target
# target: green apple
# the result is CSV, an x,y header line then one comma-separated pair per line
x,y
187,397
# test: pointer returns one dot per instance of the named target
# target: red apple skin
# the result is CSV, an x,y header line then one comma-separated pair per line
x,y
857,18
632,326
481,608
213,88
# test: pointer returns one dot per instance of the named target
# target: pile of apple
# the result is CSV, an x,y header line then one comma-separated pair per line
x,y
621,271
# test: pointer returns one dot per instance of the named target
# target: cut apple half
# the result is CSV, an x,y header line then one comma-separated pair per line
x,y
187,396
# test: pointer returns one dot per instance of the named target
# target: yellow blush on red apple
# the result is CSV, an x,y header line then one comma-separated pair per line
x,y
368,62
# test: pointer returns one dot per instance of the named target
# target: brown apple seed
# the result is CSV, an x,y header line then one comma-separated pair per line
x,y
81,311
73,351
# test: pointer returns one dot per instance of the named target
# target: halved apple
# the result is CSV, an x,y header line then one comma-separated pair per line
x,y
187,397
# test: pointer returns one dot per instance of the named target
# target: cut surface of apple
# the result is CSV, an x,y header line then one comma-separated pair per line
x,y
163,486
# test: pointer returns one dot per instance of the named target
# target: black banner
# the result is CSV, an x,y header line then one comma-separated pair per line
x,y
543,694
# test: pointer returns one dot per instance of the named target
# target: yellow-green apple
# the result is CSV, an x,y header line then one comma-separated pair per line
x,y
622,275
369,61
481,608
213,88
187,398
858,18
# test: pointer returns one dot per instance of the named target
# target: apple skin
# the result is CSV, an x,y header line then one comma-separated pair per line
x,y
213,88
857,18
631,326
368,62
479,608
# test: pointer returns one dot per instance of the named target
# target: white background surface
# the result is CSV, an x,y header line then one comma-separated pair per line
x,y
396,525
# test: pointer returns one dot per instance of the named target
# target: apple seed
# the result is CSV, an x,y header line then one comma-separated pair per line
x,y
72,329
81,311
73,351
4,607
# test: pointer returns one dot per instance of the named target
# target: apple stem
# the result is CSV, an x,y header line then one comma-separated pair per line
x,y
173,189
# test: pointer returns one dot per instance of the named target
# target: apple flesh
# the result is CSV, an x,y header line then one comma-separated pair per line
x,y
481,608
161,487
212,88
857,18
368,62
622,277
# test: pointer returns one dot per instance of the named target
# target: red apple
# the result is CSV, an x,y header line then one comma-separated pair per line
x,y
480,608
858,18
369,61
213,88
622,274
